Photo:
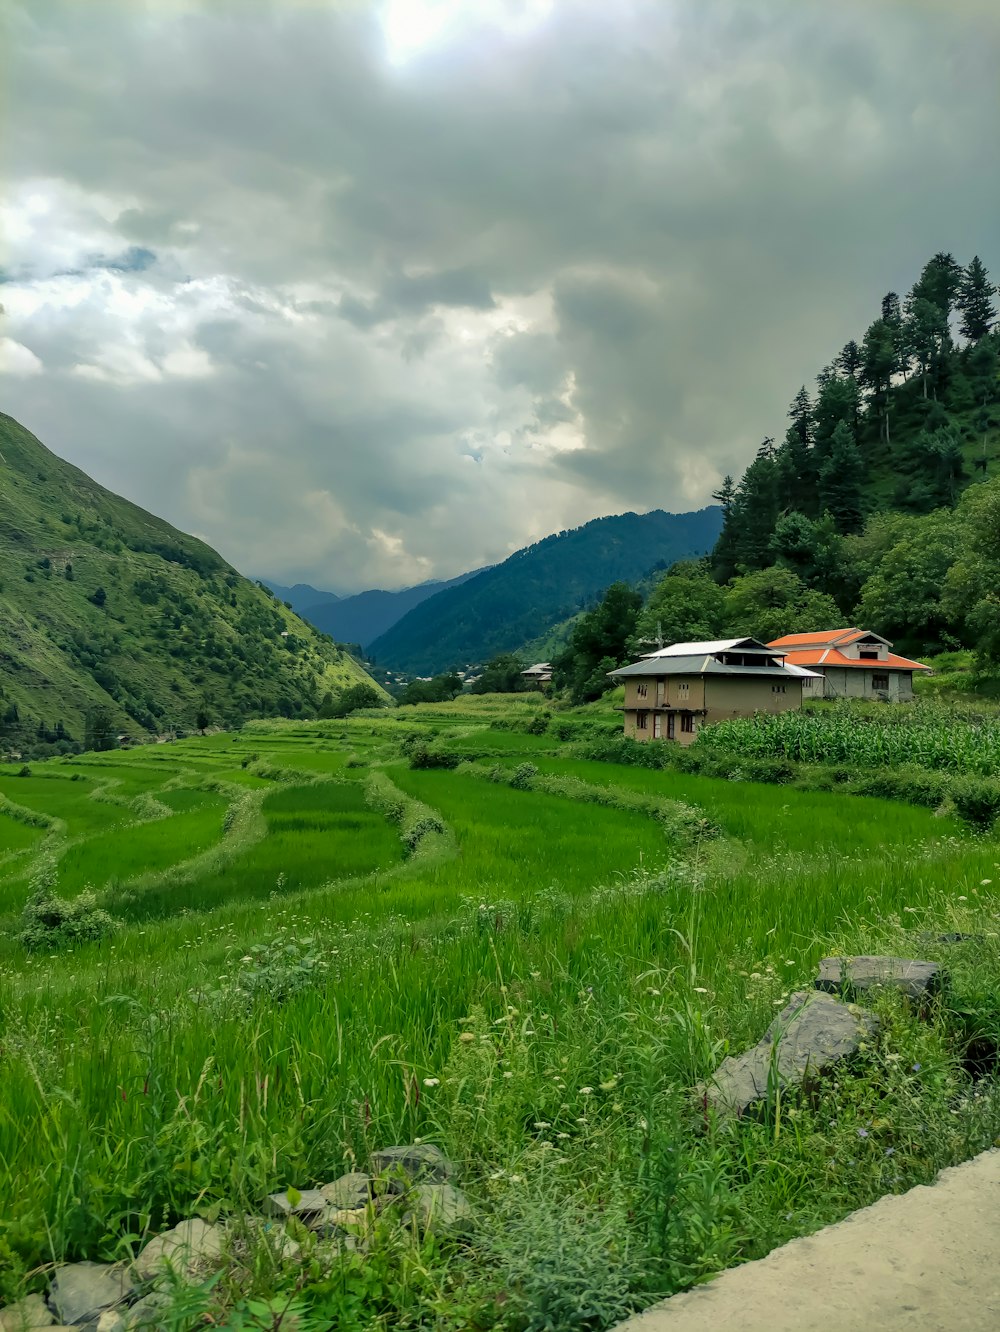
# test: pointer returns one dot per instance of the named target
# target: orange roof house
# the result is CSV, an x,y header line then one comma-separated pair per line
x,y
853,663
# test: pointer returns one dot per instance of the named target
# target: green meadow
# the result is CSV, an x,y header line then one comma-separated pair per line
x,y
326,937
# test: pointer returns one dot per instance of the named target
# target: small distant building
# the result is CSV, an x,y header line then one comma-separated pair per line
x,y
671,693
539,674
850,663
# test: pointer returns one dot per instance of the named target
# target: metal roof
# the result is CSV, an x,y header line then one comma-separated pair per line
x,y
709,648
700,664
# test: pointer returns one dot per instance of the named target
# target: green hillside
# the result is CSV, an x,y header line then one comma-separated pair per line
x,y
105,607
535,589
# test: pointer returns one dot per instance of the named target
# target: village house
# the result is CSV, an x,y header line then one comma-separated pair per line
x,y
669,694
850,663
539,674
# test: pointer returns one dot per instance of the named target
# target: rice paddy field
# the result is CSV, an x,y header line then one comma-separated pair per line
x,y
316,939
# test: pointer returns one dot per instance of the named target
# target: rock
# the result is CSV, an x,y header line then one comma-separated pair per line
x,y
421,1161
282,1247
353,1190
28,1313
854,975
439,1207
811,1034
187,1250
80,1292
147,1314
111,1320
309,1202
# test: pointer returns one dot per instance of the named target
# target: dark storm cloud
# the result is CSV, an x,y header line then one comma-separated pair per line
x,y
405,317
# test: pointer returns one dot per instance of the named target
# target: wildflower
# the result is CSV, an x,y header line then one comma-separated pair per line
x,y
984,883
611,1084
562,1136
963,899
508,1074
432,1082
517,1179
890,1151
467,1037
700,989
542,1124
789,962
756,976
586,1091
916,1068
862,1133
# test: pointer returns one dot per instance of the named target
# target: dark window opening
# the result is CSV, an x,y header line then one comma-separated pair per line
x,y
880,681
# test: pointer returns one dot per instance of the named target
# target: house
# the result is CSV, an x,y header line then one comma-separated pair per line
x,y
539,674
852,663
671,693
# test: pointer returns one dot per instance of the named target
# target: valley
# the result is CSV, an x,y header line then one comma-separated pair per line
x,y
478,924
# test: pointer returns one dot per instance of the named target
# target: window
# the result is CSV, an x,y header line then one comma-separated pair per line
x,y
869,654
683,689
880,680
687,723
640,691
777,689
640,720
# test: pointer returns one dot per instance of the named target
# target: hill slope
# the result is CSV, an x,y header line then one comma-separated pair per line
x,y
103,604
365,616
503,607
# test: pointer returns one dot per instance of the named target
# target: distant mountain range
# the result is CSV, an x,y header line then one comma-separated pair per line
x,y
510,604
301,596
366,615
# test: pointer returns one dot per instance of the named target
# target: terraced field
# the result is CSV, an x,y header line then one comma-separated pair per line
x,y
436,924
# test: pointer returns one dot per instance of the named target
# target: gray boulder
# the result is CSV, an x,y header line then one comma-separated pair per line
x,y
419,1162
188,1249
349,1191
811,1034
147,1314
80,1292
439,1207
31,1312
310,1202
855,975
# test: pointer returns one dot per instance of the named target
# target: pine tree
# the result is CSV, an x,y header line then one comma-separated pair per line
x,y
849,360
801,413
926,332
837,401
725,553
878,362
840,480
975,300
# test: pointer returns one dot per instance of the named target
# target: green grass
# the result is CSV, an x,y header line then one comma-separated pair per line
x,y
600,967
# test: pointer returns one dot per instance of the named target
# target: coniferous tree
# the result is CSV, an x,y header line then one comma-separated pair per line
x,y
840,480
837,401
849,360
756,509
878,363
975,301
724,555
801,413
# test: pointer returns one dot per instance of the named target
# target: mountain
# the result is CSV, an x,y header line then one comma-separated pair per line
x,y
103,605
301,597
517,601
363,617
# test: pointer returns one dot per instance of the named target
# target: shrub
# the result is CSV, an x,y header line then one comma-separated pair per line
x,y
539,724
49,922
422,756
977,800
416,832
523,775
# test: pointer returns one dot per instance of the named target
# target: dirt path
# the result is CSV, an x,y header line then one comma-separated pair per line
x,y
924,1261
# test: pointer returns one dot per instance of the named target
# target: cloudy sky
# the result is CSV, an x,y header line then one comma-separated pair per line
x,y
369,292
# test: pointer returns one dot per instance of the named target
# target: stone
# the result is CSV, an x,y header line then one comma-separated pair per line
x,y
855,975
353,1190
80,1292
188,1249
280,1244
421,1161
439,1207
309,1202
147,1314
28,1313
111,1320
811,1034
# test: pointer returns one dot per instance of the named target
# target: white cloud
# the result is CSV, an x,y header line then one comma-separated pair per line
x,y
17,360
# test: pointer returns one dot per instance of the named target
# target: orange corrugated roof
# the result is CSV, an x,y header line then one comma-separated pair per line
x,y
830,636
831,657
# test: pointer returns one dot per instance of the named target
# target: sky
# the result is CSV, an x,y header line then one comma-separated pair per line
x,y
370,293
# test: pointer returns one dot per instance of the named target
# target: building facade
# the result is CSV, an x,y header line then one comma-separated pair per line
x,y
851,663
671,694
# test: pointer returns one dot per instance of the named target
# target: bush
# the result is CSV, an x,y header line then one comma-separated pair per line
x,y
49,922
422,756
414,835
522,776
538,725
977,799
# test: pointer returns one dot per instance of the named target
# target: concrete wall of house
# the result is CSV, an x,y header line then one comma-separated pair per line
x,y
665,691
728,697
853,682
